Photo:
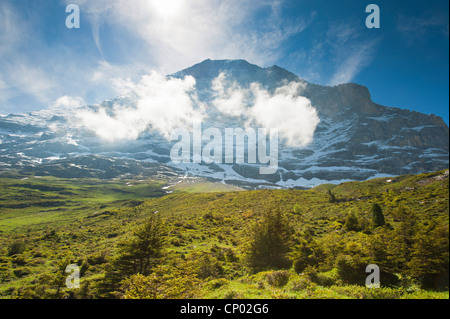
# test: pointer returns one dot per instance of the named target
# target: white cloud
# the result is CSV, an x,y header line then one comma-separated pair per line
x,y
293,115
67,102
228,97
161,104
164,104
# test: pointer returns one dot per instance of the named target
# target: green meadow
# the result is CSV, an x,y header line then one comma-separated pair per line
x,y
154,238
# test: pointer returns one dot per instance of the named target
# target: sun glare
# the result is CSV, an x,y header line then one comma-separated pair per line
x,y
167,8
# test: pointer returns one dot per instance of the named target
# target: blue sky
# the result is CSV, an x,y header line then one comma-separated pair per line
x,y
43,64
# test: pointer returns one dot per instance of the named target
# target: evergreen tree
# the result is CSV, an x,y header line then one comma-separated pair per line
x,y
270,243
139,254
331,197
403,236
430,256
308,253
377,215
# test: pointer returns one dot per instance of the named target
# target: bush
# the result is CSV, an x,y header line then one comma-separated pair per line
x,y
204,265
21,272
311,273
350,270
163,283
351,222
304,260
325,279
232,294
308,253
16,248
208,216
303,284
230,255
97,259
19,260
217,283
364,293
300,265
278,278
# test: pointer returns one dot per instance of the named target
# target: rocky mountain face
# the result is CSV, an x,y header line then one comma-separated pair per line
x,y
356,138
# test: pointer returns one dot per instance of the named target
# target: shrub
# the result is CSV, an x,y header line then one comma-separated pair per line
x,y
204,265
230,255
429,257
325,279
163,283
16,248
208,216
300,264
97,259
278,278
303,284
217,283
21,272
351,222
175,242
19,260
350,270
232,294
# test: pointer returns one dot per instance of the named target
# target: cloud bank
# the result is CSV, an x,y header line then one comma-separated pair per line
x,y
293,115
164,104
161,104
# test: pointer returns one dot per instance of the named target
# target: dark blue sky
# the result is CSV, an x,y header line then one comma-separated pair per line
x,y
404,63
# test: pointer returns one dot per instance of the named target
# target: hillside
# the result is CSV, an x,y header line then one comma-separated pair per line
x,y
207,238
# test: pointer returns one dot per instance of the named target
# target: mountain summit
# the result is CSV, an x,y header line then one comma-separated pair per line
x,y
356,138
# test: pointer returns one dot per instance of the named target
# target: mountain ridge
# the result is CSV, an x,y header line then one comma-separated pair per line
x,y
356,138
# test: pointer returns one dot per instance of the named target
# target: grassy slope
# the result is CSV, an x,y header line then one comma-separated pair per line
x,y
41,200
87,218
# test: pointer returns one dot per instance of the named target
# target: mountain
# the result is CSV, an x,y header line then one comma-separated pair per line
x,y
356,138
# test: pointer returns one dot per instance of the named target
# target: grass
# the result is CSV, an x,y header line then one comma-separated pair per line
x,y
38,200
300,287
87,218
